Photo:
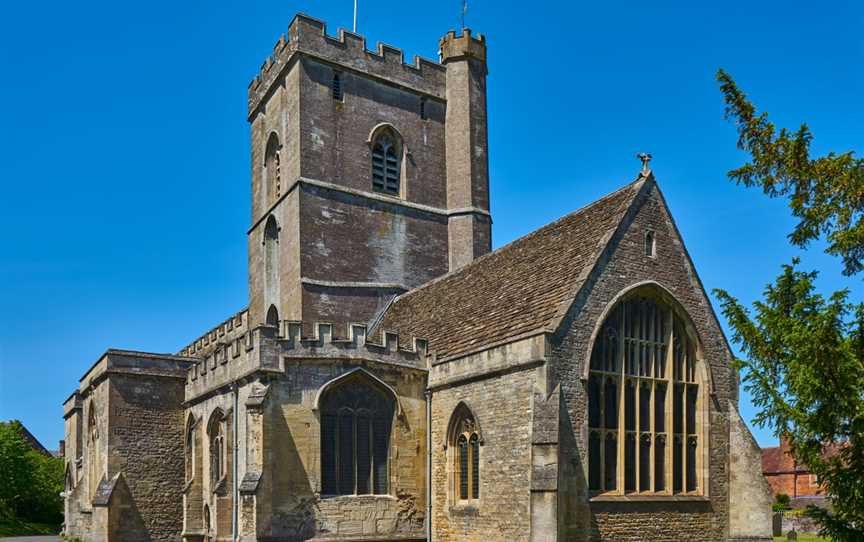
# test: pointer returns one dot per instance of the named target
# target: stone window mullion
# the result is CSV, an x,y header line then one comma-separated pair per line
x,y
621,440
670,391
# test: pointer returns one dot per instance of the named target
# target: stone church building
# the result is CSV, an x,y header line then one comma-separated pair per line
x,y
392,378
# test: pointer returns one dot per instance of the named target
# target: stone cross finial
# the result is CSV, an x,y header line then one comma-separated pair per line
x,y
646,159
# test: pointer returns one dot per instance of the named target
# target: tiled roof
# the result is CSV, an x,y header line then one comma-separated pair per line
x,y
779,460
773,461
519,289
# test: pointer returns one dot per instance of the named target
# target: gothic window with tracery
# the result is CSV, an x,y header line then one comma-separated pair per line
x,y
386,162
645,411
216,432
356,420
465,441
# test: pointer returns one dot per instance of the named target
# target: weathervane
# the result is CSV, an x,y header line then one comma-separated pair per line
x,y
646,159
464,11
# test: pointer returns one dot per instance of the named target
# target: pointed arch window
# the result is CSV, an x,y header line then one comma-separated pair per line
x,y
646,412
218,460
272,168
386,162
92,449
356,420
272,316
190,448
464,439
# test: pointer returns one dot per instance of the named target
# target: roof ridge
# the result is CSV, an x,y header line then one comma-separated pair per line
x,y
529,235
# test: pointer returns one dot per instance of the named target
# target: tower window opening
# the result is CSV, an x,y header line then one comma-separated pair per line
x,y
423,108
336,87
385,164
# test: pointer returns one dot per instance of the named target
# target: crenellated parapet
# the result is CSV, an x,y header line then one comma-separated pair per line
x,y
465,45
267,349
225,332
348,50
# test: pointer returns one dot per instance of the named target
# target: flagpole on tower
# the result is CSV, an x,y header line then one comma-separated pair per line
x,y
464,11
355,16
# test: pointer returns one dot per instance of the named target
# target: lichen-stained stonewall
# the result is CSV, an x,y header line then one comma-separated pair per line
x,y
391,378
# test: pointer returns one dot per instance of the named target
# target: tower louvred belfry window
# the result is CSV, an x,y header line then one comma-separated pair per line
x,y
356,419
386,163
645,403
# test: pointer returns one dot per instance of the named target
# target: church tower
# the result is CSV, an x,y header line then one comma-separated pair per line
x,y
369,175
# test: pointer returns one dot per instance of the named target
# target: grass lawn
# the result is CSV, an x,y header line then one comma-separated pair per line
x,y
16,527
802,538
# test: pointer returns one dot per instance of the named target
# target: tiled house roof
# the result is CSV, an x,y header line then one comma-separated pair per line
x,y
521,289
774,460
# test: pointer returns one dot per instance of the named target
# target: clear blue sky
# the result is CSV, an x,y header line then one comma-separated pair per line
x,y
124,148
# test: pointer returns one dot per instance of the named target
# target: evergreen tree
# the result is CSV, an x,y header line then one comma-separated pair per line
x,y
804,353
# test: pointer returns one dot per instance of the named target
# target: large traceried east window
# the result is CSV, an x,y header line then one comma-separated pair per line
x,y
645,409
356,420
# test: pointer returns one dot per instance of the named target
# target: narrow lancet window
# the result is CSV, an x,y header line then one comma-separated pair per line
x,y
336,87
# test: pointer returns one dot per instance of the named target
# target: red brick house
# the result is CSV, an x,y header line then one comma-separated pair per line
x,y
785,475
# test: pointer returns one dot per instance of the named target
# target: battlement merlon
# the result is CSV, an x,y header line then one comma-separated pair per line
x,y
308,36
204,345
322,343
268,349
463,46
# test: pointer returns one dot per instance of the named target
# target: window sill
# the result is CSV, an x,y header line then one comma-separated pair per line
x,y
465,508
649,498
363,496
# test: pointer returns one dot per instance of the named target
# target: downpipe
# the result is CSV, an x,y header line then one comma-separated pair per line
x,y
235,505
428,465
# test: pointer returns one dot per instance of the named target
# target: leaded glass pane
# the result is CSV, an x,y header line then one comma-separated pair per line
x,y
594,401
630,463
594,477
645,462
462,449
364,454
475,466
610,456
610,406
328,454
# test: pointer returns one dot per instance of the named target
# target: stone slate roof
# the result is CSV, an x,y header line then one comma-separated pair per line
x,y
519,290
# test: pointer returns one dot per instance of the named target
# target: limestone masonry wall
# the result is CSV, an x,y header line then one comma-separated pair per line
x,y
348,49
146,442
502,408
